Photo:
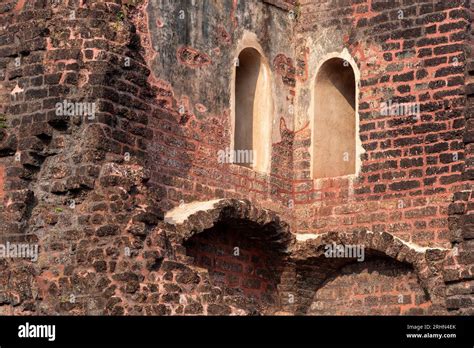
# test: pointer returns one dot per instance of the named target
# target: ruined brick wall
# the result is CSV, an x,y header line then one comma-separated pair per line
x,y
93,191
375,287
412,168
68,184
406,51
193,126
459,267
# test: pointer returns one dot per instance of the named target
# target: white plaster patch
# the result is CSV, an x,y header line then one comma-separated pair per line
x,y
181,213
306,236
301,238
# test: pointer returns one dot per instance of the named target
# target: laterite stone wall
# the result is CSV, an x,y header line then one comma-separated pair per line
x,y
134,214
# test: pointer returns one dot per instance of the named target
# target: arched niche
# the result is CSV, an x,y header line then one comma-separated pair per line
x,y
335,121
253,108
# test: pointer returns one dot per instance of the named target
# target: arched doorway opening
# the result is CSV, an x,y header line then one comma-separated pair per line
x,y
241,262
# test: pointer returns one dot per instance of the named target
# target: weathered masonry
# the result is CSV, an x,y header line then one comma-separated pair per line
x,y
214,150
